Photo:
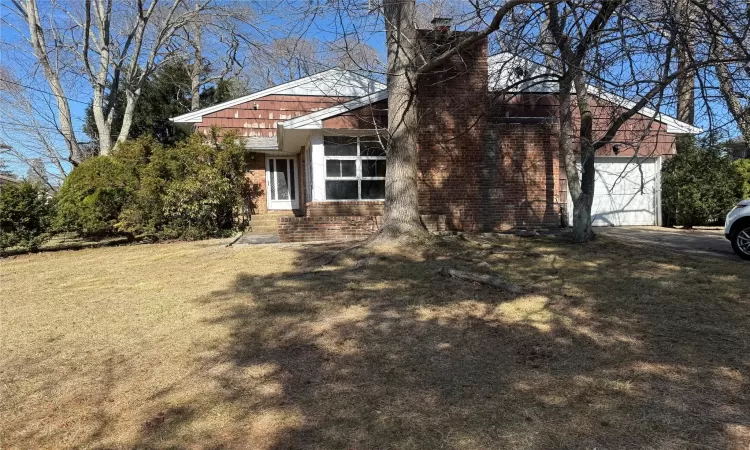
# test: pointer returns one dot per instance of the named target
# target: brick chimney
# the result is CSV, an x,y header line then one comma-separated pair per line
x,y
452,102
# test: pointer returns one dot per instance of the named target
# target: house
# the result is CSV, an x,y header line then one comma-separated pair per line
x,y
8,179
738,148
487,150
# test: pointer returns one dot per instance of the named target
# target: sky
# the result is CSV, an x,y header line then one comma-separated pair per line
x,y
276,21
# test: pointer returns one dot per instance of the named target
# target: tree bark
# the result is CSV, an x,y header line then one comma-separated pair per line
x,y
686,80
401,213
195,77
36,34
740,114
197,69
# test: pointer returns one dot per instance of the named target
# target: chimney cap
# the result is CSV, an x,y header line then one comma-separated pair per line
x,y
441,23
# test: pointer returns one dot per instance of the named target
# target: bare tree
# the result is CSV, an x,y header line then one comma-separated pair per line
x,y
31,129
216,40
113,45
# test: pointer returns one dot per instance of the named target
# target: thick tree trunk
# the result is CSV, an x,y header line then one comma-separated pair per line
x,y
580,181
195,80
103,126
740,114
36,34
197,69
686,80
401,214
127,117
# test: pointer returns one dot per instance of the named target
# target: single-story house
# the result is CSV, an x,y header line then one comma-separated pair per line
x,y
487,149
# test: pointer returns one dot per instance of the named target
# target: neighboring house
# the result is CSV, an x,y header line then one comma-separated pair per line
x,y
486,161
738,148
8,179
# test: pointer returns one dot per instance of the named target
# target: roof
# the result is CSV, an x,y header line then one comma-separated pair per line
x,y
518,74
8,179
505,70
331,83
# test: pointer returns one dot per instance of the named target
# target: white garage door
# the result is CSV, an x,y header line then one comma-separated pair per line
x,y
625,192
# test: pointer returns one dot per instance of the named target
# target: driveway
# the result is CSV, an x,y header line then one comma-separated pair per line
x,y
704,241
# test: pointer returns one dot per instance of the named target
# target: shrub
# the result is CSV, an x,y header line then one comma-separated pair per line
x,y
25,215
196,207
93,196
699,185
743,168
191,190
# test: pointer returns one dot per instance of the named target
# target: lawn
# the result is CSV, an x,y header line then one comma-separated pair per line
x,y
199,346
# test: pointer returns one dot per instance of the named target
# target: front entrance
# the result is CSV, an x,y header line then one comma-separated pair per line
x,y
281,183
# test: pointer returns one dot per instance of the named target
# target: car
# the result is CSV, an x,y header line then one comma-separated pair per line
x,y
737,229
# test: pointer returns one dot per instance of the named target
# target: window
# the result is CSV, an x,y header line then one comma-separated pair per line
x,y
355,168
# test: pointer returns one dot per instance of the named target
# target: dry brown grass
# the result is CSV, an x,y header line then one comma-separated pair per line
x,y
194,345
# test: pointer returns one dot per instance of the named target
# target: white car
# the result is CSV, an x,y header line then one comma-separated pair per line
x,y
738,228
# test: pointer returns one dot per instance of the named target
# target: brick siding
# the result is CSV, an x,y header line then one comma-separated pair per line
x,y
340,228
345,208
321,228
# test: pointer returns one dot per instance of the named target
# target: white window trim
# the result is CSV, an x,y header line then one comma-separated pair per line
x,y
358,172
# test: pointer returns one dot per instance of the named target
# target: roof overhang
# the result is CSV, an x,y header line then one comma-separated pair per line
x,y
517,74
331,83
294,134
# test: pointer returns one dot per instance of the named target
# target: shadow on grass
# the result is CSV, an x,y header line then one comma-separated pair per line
x,y
611,350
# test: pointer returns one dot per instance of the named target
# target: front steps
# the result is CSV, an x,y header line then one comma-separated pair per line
x,y
265,223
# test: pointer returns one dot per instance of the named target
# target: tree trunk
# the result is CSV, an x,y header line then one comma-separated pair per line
x,y
580,183
195,79
401,213
36,34
686,80
197,69
127,116
103,126
582,231
740,115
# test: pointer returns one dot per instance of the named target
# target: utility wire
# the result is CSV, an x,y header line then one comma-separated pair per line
x,y
43,91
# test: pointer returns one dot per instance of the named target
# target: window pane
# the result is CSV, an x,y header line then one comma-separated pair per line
x,y
341,168
333,168
373,168
272,174
341,190
292,187
282,184
339,146
371,146
349,168
373,189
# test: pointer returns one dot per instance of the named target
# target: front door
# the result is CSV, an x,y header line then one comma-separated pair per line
x,y
281,183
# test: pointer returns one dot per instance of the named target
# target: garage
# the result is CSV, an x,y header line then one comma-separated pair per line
x,y
626,192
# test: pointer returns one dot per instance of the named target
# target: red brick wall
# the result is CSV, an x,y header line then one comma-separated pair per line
x,y
345,208
368,117
640,133
305,229
256,176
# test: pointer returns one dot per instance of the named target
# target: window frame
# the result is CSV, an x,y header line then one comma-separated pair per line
x,y
358,158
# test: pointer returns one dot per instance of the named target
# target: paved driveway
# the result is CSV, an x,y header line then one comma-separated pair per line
x,y
706,242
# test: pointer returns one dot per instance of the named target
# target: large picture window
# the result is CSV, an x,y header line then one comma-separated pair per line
x,y
355,168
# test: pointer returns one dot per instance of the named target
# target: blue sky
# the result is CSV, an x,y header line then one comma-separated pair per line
x,y
279,22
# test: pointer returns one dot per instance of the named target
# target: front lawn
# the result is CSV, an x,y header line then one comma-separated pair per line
x,y
195,345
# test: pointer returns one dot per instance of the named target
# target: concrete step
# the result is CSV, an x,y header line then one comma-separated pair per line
x,y
263,228
258,238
